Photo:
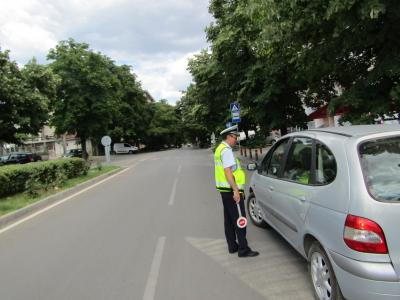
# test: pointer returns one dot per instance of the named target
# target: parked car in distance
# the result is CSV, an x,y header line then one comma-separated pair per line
x,y
334,195
124,148
35,156
74,153
21,158
3,159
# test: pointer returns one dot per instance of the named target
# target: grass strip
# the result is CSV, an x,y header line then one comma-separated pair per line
x,y
17,201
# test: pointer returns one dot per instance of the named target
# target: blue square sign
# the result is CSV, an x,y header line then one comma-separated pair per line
x,y
236,120
234,107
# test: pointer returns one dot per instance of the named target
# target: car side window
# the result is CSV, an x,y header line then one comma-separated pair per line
x,y
273,163
126,145
298,164
325,167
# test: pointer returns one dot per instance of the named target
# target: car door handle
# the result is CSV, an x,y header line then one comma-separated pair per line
x,y
271,188
302,198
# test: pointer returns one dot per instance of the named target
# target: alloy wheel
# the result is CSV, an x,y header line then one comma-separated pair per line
x,y
321,277
255,211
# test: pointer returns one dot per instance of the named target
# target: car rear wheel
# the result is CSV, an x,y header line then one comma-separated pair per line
x,y
322,275
255,212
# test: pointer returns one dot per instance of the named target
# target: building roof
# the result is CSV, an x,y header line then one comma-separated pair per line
x,y
322,113
359,130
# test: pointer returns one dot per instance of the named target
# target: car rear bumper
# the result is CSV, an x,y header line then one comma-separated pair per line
x,y
365,280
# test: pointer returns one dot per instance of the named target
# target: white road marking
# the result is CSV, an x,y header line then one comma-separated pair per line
x,y
173,192
179,169
154,270
62,201
277,274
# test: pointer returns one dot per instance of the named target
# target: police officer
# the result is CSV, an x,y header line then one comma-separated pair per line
x,y
229,181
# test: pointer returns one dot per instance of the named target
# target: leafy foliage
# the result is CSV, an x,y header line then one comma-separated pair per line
x,y
86,101
346,51
163,127
40,175
133,113
277,57
25,97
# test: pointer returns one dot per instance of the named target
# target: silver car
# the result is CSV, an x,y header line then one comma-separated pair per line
x,y
334,195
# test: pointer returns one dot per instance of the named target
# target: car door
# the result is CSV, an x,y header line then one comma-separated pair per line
x,y
12,159
292,191
127,147
266,176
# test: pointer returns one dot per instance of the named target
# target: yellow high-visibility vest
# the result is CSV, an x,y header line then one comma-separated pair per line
x,y
221,183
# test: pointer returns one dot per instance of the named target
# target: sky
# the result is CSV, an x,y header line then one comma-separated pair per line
x,y
155,37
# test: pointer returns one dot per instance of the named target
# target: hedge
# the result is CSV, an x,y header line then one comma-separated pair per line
x,y
37,176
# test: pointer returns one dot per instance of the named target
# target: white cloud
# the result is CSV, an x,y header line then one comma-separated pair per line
x,y
25,32
165,76
155,37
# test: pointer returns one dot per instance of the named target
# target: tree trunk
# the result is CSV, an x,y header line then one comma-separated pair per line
x,y
84,152
283,130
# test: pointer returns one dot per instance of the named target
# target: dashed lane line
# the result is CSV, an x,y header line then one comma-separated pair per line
x,y
152,279
173,192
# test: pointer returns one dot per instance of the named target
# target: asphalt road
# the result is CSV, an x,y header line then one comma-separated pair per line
x,y
154,231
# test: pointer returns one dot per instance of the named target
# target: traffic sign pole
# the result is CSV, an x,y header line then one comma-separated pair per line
x,y
235,112
237,129
106,142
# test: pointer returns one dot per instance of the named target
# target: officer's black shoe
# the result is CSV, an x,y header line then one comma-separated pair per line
x,y
249,253
233,250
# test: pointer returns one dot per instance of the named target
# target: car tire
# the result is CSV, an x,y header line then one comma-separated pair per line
x,y
322,275
130,152
255,212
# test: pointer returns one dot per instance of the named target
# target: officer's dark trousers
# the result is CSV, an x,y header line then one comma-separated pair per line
x,y
231,215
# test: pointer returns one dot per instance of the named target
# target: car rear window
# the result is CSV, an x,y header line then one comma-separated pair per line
x,y
380,162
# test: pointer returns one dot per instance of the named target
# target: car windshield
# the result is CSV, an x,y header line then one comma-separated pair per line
x,y
380,161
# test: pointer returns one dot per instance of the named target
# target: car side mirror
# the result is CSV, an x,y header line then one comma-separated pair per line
x,y
252,167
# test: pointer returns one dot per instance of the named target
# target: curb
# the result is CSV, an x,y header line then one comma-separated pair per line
x,y
21,213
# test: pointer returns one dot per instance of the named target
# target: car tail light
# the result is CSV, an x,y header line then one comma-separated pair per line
x,y
364,235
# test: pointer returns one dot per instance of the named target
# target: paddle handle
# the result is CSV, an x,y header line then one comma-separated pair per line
x,y
239,211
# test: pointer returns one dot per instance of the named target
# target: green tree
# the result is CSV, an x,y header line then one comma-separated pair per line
x,y
163,127
88,92
265,86
133,113
25,97
194,116
346,50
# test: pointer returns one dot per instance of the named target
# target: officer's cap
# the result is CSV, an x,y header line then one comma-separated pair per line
x,y
230,130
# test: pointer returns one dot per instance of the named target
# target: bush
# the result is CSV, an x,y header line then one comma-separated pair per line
x,y
37,176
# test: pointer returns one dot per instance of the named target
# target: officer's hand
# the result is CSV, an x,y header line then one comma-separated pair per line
x,y
236,196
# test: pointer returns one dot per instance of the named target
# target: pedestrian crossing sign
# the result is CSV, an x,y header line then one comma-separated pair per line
x,y
234,107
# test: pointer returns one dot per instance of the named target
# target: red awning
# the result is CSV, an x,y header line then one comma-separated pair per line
x,y
322,113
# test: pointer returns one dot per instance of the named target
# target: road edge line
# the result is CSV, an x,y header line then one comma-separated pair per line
x,y
24,214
